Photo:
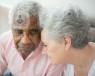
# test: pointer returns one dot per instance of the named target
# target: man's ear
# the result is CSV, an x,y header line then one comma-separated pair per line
x,y
67,42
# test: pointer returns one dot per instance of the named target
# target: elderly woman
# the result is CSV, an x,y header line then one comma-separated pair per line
x,y
65,37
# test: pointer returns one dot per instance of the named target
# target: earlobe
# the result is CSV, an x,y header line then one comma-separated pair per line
x,y
67,42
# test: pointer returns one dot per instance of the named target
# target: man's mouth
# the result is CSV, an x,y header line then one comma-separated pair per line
x,y
27,48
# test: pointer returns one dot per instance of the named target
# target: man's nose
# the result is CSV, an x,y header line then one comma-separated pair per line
x,y
44,52
25,39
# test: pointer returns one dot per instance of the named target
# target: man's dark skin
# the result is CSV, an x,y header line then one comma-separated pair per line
x,y
25,34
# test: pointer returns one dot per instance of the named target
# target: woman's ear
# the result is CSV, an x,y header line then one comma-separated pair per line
x,y
67,42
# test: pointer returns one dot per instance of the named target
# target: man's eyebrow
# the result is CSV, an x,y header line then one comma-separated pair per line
x,y
17,29
33,30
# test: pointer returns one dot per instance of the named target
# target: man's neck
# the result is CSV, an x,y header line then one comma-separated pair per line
x,y
24,56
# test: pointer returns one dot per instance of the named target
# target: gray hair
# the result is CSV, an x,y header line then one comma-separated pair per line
x,y
27,8
66,20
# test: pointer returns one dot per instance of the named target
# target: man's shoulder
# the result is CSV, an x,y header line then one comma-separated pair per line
x,y
6,37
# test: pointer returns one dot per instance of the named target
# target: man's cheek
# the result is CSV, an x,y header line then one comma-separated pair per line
x,y
16,41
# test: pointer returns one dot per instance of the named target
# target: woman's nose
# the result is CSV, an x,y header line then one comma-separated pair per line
x,y
44,52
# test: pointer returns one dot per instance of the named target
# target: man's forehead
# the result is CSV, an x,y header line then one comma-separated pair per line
x,y
23,21
20,19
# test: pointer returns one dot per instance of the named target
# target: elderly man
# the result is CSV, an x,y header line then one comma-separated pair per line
x,y
20,49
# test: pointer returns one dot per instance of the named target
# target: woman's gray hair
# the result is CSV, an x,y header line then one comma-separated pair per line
x,y
28,8
66,20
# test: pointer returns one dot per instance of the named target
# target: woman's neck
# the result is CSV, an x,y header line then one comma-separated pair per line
x,y
81,57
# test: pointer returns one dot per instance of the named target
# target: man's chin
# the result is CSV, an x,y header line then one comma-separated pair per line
x,y
26,53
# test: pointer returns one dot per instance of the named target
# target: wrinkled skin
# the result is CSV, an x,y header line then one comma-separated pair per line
x,y
25,34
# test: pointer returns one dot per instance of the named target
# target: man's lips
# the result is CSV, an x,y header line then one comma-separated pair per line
x,y
26,48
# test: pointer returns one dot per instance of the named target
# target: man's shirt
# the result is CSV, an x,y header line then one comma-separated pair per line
x,y
35,64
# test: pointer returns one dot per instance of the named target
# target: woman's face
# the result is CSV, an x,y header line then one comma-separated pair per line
x,y
55,51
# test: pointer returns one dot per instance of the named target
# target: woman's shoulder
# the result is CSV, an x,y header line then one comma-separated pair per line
x,y
68,70
92,42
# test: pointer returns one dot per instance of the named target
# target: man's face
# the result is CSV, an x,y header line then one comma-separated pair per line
x,y
26,35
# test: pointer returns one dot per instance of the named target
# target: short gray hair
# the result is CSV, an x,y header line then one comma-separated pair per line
x,y
28,8
66,20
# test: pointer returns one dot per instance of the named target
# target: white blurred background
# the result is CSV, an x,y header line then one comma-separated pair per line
x,y
87,5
